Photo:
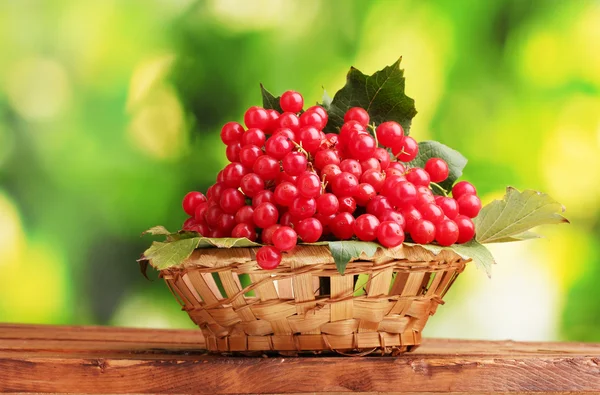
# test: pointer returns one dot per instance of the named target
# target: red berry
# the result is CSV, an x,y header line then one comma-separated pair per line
x,y
321,111
310,138
309,185
404,194
213,213
378,205
289,120
189,224
265,215
231,133
391,215
423,232
309,230
202,229
342,226
351,166
365,193
347,130
469,205
294,163
287,132
285,238
390,134
291,101
267,234
449,206
232,200
373,177
446,232
266,167
328,204
390,234
383,156
362,146
466,228
265,196
285,177
463,188
216,191
244,230
345,184
303,207
245,215
406,151
399,166
273,121
437,169
278,146
254,136
233,152
365,227
257,117
418,176
329,173
200,212
326,157
287,219
226,223
312,118
249,154
411,217
424,196
252,184
432,212
233,174
347,204
370,164
285,193
268,257
357,114
191,200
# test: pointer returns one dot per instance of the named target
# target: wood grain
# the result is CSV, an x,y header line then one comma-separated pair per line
x,y
118,360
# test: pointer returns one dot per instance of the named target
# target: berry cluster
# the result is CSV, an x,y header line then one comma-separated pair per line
x,y
289,181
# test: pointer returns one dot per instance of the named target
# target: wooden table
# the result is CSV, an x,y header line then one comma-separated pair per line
x,y
117,360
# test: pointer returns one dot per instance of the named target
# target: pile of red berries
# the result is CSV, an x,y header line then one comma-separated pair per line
x,y
289,181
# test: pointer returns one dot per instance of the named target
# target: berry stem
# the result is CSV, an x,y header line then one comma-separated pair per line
x,y
373,129
440,188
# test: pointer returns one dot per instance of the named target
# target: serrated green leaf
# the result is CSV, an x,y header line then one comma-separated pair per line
x,y
481,256
515,214
226,242
270,102
523,236
326,100
455,160
346,250
381,94
163,255
156,230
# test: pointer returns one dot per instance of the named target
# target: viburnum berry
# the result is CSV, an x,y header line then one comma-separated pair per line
x,y
287,132
309,185
321,111
348,129
218,233
466,228
406,151
329,172
370,164
424,196
423,232
291,101
383,157
404,194
213,213
294,163
265,215
191,200
325,157
312,118
392,215
226,223
365,193
418,176
249,154
251,184
267,234
303,207
449,206
254,136
373,177
233,174
278,146
232,200
342,226
345,184
463,188
244,230
285,238
309,230
231,133
378,205
273,118
268,257
446,232
265,196
411,217
390,134
351,166
257,117
362,146
398,166
202,229
266,167
200,212
390,234
437,169
469,205
357,114
284,177
289,120
310,138
216,191
287,219
245,215
432,212
365,227
285,193
232,152
188,224
328,204
347,204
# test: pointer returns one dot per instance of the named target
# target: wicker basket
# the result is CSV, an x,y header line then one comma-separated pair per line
x,y
306,305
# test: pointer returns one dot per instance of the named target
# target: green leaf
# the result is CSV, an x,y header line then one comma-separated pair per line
x,y
344,251
523,236
433,149
326,100
381,94
156,230
508,219
226,242
270,102
481,256
163,255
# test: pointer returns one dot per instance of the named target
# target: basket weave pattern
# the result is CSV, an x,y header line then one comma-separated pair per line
x,y
292,311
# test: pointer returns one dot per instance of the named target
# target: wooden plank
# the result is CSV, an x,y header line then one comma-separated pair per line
x,y
37,358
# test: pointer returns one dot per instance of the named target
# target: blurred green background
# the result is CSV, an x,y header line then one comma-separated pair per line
x,y
110,113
